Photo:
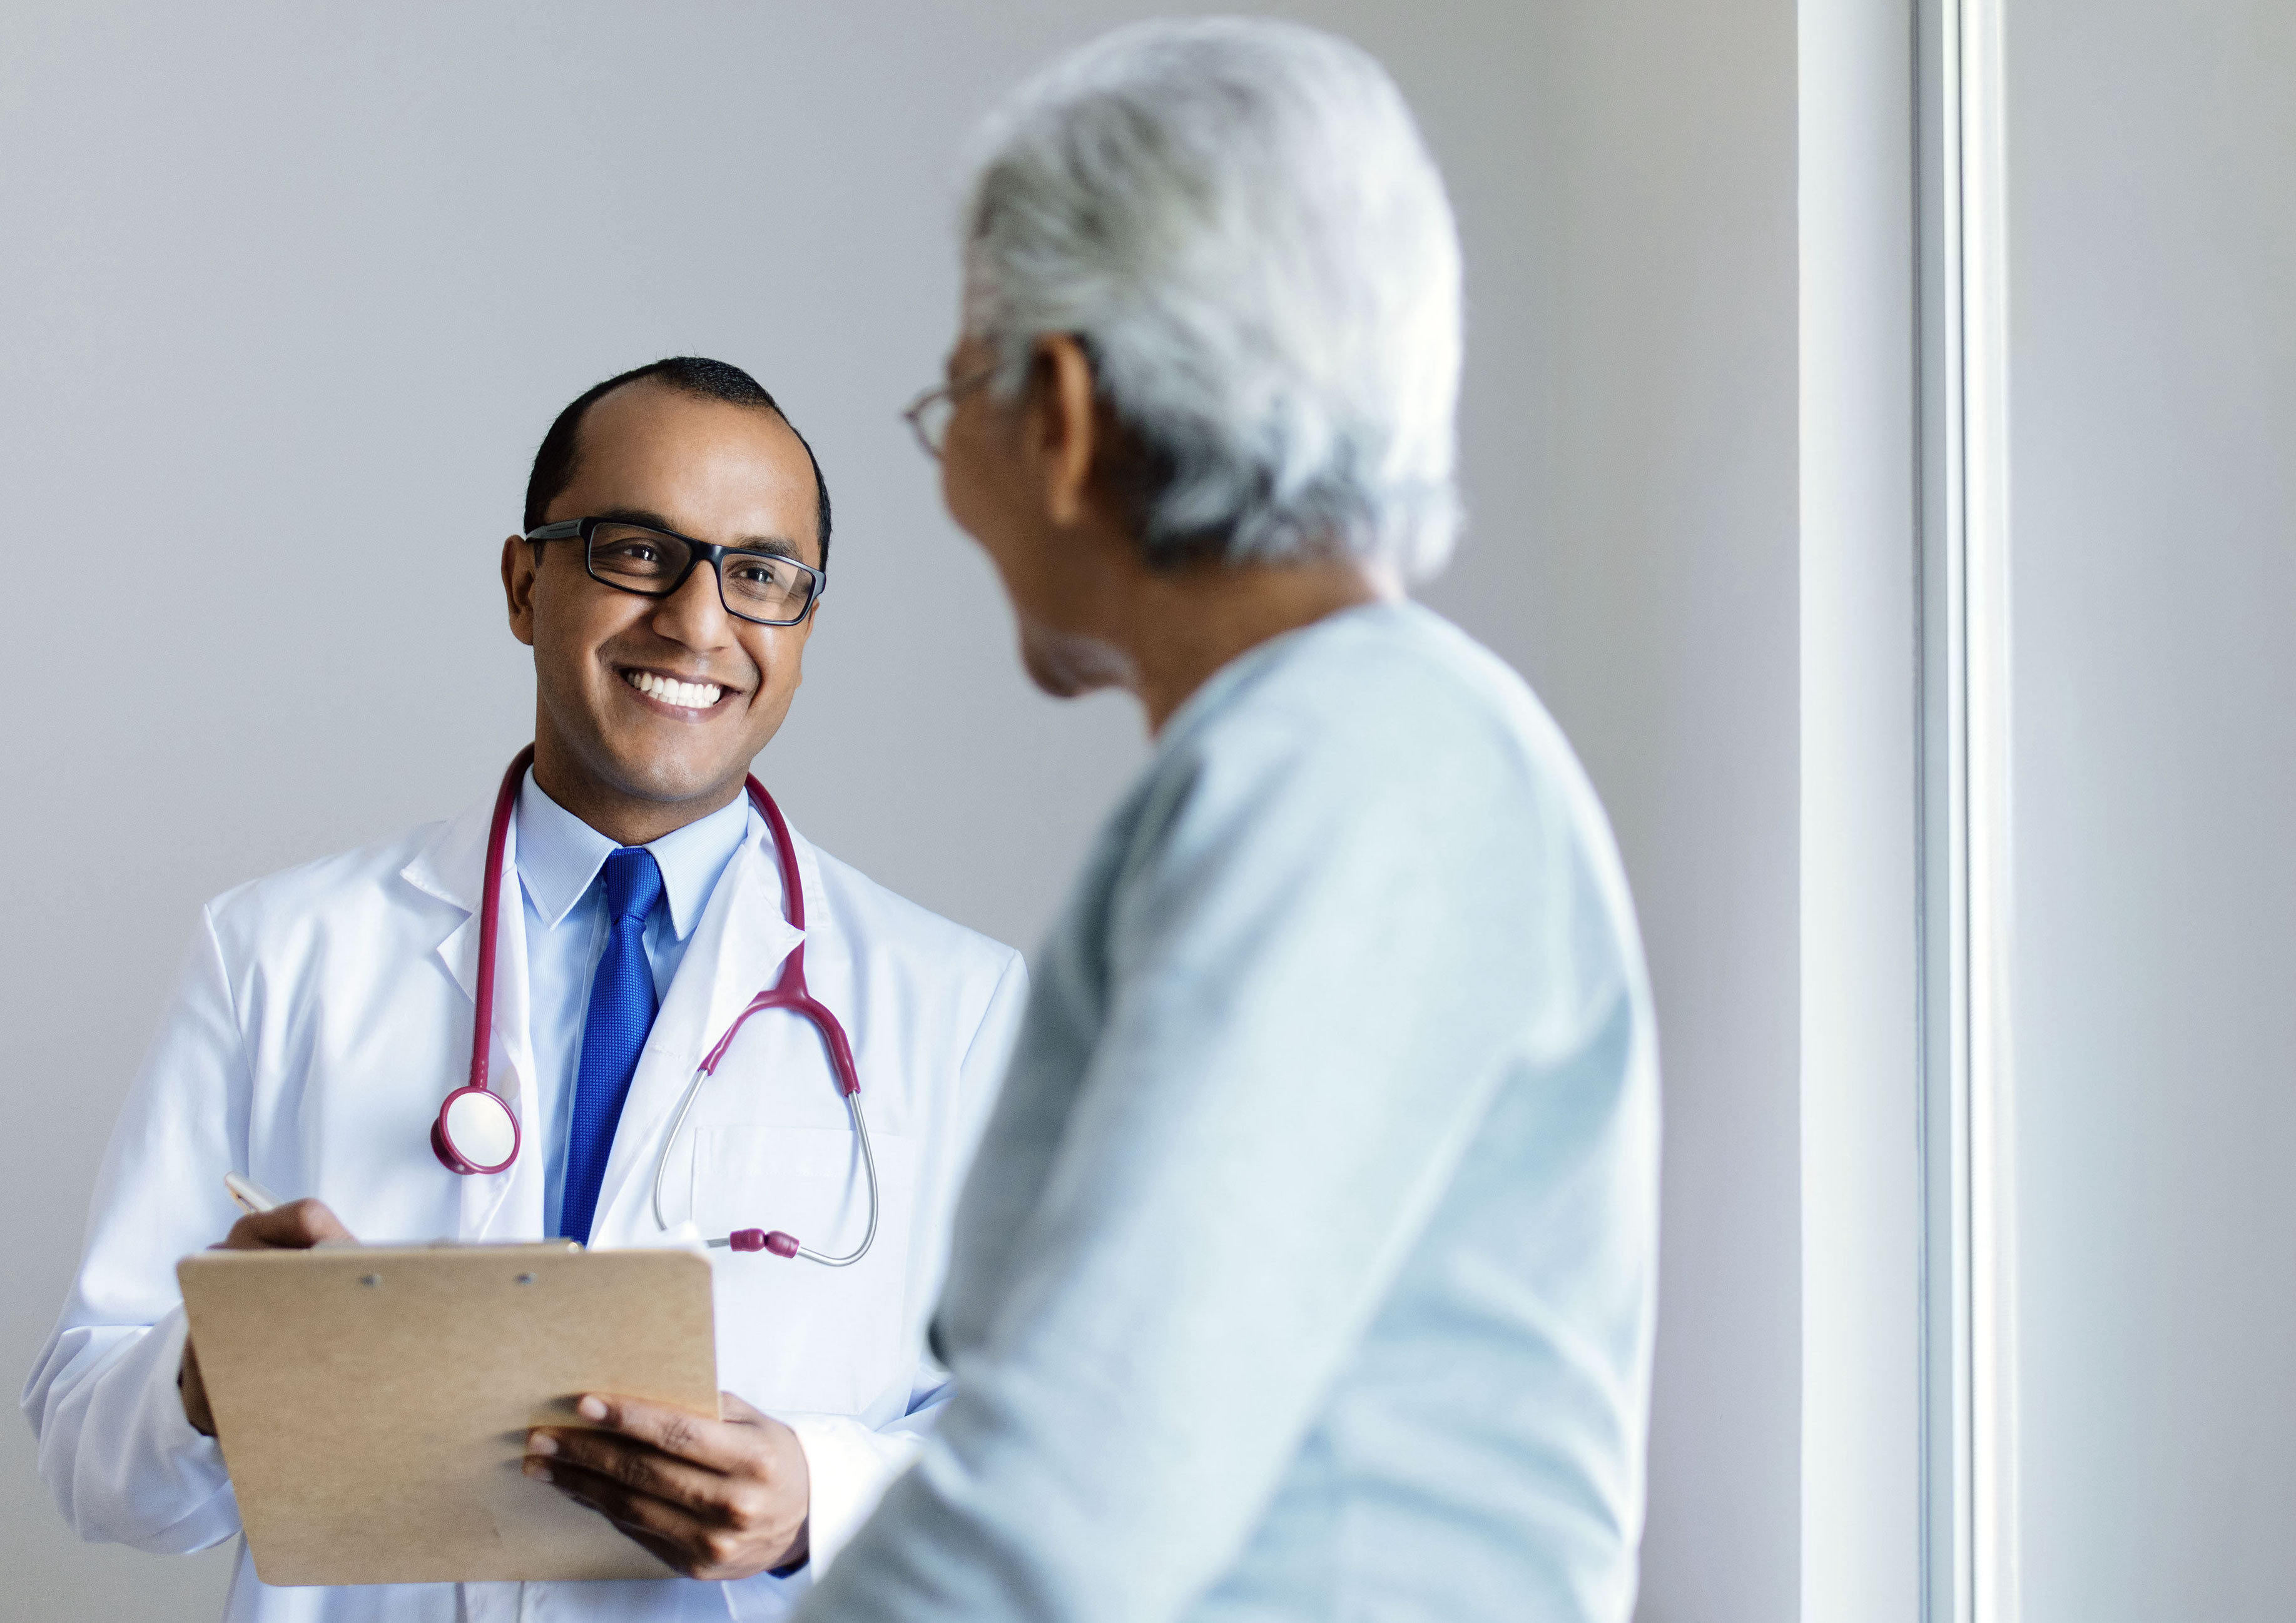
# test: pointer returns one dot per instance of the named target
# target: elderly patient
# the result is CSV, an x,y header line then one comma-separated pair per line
x,y
1307,1268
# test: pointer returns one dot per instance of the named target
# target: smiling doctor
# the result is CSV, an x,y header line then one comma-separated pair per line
x,y
671,569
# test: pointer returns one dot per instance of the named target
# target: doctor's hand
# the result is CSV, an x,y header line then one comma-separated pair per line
x,y
296,1226
718,1499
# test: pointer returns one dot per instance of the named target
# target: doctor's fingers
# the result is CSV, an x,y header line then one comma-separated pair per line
x,y
298,1225
635,1521
745,1501
722,1444
695,1546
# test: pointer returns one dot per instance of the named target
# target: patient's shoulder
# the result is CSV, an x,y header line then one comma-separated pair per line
x,y
1392,697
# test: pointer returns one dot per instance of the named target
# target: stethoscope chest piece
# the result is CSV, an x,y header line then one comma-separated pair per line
x,y
476,1131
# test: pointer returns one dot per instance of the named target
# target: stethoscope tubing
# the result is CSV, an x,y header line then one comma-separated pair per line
x,y
868,1166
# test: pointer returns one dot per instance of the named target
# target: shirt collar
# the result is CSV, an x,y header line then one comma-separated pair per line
x,y
559,857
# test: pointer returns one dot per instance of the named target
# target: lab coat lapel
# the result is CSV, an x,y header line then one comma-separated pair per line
x,y
506,1204
736,953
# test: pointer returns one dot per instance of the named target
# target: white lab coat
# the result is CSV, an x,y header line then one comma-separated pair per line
x,y
320,1015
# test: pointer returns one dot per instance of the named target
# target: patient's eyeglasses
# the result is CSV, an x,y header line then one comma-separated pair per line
x,y
931,412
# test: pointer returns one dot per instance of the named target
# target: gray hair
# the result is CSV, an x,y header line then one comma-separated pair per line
x,y
1239,221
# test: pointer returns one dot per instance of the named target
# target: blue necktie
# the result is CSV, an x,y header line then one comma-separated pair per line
x,y
613,1035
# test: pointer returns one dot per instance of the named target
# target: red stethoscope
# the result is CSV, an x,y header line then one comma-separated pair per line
x,y
478,1131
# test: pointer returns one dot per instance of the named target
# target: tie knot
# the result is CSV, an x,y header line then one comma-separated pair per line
x,y
633,883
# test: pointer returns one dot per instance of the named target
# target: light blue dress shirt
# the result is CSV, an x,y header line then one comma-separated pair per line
x,y
561,859
1308,1268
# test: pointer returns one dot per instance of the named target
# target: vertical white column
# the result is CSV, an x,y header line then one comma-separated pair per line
x,y
1860,964
1969,1500
1984,345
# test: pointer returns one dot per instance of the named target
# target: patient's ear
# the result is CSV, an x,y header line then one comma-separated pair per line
x,y
1062,426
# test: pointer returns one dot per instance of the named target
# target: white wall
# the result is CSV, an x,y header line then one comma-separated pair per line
x,y
1663,587
2152,156
300,287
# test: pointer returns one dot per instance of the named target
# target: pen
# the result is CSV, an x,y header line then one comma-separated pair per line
x,y
252,1196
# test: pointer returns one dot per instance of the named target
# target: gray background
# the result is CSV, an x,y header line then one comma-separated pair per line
x,y
288,294
2152,443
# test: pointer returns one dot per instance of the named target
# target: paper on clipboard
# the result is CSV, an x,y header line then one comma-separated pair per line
x,y
372,1401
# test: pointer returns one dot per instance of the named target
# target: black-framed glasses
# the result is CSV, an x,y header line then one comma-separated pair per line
x,y
762,588
931,412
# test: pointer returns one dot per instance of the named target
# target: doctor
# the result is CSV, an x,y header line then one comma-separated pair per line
x,y
323,1013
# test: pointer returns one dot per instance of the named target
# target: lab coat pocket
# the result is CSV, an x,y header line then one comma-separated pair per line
x,y
793,1334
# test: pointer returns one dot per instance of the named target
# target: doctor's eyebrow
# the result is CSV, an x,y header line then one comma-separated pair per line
x,y
781,547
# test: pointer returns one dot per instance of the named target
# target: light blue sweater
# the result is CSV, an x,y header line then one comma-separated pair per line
x,y
1308,1268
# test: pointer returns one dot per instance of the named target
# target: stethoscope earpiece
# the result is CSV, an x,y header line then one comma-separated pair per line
x,y
758,1240
476,1131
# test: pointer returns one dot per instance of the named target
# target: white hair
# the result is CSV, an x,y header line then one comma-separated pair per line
x,y
1239,221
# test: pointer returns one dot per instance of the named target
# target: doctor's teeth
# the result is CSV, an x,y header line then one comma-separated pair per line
x,y
693,695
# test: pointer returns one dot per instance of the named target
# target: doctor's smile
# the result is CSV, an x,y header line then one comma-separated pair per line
x,y
678,697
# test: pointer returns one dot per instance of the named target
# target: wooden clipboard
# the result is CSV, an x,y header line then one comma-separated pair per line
x,y
372,1401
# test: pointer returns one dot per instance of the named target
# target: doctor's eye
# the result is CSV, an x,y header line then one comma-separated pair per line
x,y
766,586
760,573
639,555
